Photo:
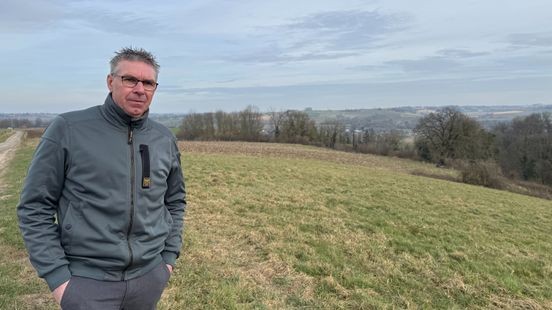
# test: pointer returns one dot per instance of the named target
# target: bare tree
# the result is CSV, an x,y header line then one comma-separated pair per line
x,y
525,147
449,134
276,121
331,132
297,127
250,124
227,125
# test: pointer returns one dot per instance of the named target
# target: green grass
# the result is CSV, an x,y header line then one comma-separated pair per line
x,y
19,286
5,134
272,233
284,233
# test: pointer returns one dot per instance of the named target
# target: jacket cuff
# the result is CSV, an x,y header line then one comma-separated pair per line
x,y
169,257
58,277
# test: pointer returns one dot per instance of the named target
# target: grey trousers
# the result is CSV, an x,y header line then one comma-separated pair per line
x,y
141,293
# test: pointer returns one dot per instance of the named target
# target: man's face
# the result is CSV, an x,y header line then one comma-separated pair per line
x,y
133,100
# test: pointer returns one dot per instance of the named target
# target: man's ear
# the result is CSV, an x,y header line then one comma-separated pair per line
x,y
110,82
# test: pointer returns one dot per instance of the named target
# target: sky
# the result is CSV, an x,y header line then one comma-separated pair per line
x,y
279,55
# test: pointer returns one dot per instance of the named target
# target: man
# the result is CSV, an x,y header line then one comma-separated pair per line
x,y
102,207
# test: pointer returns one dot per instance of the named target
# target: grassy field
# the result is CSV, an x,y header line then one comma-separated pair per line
x,y
4,134
19,286
292,228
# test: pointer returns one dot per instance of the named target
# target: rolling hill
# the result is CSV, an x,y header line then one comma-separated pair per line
x,y
273,226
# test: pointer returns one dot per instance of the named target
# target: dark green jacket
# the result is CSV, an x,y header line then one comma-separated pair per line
x,y
104,197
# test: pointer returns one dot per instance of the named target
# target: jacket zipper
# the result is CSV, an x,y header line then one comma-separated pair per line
x,y
132,181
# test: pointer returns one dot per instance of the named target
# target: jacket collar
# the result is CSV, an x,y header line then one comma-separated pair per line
x,y
116,116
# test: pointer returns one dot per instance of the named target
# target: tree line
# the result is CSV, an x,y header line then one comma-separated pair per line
x,y
520,149
284,127
246,125
22,123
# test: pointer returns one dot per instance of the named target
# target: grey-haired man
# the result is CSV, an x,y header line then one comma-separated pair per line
x,y
102,207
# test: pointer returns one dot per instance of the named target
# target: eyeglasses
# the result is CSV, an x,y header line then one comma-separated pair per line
x,y
130,81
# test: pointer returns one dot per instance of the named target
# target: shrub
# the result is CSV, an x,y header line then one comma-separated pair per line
x,y
484,173
34,133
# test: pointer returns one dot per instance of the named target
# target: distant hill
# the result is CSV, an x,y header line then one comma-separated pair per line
x,y
405,118
170,120
379,119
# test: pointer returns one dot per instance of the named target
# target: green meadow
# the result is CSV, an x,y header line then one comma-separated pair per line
x,y
284,232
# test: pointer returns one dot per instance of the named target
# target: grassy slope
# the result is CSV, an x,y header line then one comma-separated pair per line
x,y
293,232
283,233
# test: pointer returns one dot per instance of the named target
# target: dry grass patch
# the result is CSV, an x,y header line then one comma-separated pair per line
x,y
295,151
397,165
507,302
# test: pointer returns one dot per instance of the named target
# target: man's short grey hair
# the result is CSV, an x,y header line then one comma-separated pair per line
x,y
134,54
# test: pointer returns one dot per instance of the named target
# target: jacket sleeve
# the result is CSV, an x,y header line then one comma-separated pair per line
x,y
175,201
39,202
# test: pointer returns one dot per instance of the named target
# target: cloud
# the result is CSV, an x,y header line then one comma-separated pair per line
x,y
445,61
470,65
370,22
322,36
116,21
433,64
531,39
272,56
460,53
348,29
30,16
27,16
538,64
445,91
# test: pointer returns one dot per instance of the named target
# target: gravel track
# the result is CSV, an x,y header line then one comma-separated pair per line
x,y
8,147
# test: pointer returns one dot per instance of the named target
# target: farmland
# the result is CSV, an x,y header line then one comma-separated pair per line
x,y
273,226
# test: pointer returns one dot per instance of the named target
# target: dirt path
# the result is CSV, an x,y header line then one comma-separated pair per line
x,y
7,149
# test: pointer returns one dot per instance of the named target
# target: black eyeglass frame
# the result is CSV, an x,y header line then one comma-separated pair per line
x,y
134,81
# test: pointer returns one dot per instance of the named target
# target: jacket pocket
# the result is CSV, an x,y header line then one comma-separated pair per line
x,y
65,297
67,227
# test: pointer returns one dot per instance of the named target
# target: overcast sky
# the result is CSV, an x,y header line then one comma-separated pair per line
x,y
324,54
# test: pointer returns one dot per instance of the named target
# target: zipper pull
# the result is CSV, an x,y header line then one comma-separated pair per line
x,y
129,135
